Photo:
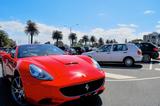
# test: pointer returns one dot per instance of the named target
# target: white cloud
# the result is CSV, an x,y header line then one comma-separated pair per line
x,y
101,14
16,32
128,25
120,34
12,25
158,30
158,26
148,12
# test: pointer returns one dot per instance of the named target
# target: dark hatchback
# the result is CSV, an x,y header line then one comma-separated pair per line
x,y
149,51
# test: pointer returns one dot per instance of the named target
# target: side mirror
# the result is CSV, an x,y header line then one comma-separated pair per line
x,y
12,55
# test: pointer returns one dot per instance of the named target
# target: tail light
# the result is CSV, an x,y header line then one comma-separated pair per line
x,y
139,52
155,49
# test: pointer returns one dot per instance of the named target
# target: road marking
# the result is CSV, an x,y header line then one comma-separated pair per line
x,y
157,69
118,76
139,79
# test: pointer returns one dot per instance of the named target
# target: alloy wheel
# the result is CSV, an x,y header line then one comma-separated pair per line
x,y
17,91
128,62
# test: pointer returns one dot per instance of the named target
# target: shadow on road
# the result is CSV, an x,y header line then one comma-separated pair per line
x,y
120,66
152,62
4,94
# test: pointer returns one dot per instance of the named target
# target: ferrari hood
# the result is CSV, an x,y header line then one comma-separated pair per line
x,y
67,68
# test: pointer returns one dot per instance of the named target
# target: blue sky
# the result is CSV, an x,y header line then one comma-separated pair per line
x,y
140,15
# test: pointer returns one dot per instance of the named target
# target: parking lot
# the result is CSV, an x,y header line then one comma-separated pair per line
x,y
134,86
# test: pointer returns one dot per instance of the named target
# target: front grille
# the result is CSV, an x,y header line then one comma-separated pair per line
x,y
82,89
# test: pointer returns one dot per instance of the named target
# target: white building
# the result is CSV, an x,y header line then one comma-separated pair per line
x,y
153,37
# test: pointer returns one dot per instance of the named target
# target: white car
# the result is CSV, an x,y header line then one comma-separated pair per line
x,y
126,53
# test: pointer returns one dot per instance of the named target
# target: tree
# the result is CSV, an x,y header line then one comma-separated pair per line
x,y
36,42
72,37
57,35
136,41
111,41
60,44
92,39
31,29
3,38
107,41
80,42
114,41
11,43
5,41
100,41
85,39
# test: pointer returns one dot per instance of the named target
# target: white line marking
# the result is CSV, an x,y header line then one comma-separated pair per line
x,y
150,66
118,76
157,69
139,79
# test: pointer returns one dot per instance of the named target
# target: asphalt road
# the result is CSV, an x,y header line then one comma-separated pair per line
x,y
134,86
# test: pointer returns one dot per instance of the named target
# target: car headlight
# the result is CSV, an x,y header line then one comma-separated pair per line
x,y
95,64
39,73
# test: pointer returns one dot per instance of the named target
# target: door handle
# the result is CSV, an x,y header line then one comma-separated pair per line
x,y
124,52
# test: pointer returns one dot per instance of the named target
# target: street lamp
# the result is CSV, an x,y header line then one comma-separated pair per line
x,y
70,28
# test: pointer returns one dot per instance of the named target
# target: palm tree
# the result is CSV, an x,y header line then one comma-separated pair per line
x,y
57,35
107,41
31,29
72,37
80,42
85,39
114,41
100,41
92,39
111,41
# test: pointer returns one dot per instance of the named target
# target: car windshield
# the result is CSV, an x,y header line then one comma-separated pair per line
x,y
38,50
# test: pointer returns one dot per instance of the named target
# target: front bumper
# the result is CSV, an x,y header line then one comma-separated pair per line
x,y
42,94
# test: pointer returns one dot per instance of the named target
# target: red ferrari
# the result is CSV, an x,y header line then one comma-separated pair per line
x,y
43,75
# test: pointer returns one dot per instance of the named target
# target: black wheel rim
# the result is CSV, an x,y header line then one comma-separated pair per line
x,y
17,91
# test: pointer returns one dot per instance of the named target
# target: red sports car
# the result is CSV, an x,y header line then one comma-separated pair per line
x,y
43,75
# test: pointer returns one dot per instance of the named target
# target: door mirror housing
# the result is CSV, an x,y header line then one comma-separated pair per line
x,y
12,55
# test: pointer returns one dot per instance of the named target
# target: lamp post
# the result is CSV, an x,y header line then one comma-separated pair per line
x,y
70,28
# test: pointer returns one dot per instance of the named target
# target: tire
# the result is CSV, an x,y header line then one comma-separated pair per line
x,y
128,62
17,92
146,58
